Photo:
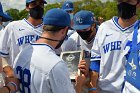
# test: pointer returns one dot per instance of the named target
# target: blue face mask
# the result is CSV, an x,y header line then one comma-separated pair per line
x,y
71,16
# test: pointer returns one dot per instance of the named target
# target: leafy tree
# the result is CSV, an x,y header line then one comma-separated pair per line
x,y
104,9
23,14
14,13
50,6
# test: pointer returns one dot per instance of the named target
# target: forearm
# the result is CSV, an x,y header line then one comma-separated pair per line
x,y
93,81
4,90
78,88
6,68
8,89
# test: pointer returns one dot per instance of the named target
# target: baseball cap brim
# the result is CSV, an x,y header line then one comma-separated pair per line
x,y
45,2
69,9
5,17
80,27
34,0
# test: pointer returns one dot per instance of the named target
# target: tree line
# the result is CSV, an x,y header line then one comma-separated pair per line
x,y
104,9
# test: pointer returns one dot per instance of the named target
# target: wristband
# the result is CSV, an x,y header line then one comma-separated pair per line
x,y
92,89
8,88
12,83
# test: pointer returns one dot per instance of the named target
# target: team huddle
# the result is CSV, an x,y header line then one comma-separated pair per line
x,y
30,49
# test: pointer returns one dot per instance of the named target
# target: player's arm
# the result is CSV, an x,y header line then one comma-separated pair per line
x,y
81,79
95,60
7,69
94,75
12,85
80,82
5,42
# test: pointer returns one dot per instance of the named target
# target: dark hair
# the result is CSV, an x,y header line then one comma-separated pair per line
x,y
52,28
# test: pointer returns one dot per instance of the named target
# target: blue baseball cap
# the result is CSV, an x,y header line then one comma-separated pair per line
x,y
5,17
57,17
67,6
82,20
29,1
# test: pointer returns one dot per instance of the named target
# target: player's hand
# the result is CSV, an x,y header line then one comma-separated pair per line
x,y
80,80
14,80
8,70
83,66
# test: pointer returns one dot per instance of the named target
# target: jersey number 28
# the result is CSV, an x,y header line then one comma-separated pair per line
x,y
24,78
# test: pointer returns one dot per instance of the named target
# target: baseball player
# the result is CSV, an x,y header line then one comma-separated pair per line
x,y
38,67
69,8
83,38
106,62
3,17
18,34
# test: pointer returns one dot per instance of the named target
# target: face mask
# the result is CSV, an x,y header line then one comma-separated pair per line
x,y
85,35
126,11
37,12
71,16
60,43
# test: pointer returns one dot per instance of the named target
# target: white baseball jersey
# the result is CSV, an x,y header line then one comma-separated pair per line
x,y
132,72
16,36
75,43
107,48
40,70
70,32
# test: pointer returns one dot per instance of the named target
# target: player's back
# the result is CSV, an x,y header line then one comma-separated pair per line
x,y
44,69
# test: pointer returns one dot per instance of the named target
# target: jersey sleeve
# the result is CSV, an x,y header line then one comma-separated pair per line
x,y
5,42
59,79
95,51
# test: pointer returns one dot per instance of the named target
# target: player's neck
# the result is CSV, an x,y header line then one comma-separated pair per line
x,y
34,22
91,36
128,22
45,41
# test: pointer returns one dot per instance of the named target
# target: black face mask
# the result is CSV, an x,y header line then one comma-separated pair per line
x,y
37,12
126,11
85,35
60,43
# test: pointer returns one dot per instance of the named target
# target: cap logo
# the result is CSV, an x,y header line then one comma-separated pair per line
x,y
79,20
91,18
67,5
